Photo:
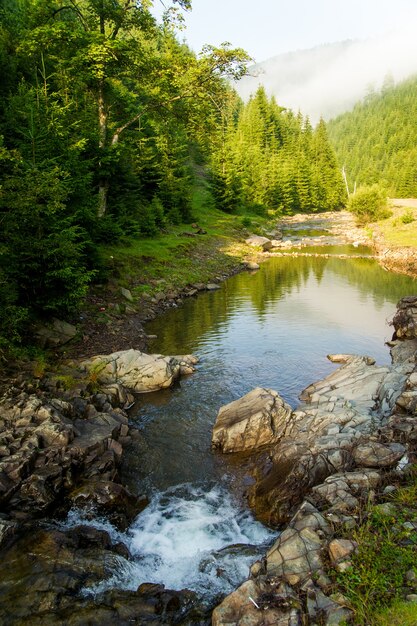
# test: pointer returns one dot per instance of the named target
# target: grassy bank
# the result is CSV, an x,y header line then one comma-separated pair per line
x,y
400,229
381,583
183,254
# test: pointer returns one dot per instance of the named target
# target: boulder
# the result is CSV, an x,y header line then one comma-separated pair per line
x,y
126,293
257,604
54,334
109,499
257,240
405,319
375,454
295,555
258,419
134,370
324,610
341,549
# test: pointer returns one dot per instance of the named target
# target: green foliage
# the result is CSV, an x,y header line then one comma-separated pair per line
x,y
246,222
399,614
102,111
377,579
369,204
407,217
42,254
264,157
377,140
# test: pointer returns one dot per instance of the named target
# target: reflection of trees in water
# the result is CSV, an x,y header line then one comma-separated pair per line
x,y
370,279
182,329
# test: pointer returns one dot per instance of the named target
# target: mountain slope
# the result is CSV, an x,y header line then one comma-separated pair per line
x,y
377,140
329,79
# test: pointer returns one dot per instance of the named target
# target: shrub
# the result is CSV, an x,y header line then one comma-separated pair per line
x,y
369,204
407,217
246,222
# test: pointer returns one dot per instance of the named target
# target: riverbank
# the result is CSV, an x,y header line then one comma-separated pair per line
x,y
339,477
143,284
79,402
143,278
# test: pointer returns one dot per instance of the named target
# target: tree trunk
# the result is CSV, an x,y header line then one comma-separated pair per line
x,y
103,192
103,189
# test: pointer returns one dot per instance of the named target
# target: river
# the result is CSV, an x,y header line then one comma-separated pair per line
x,y
271,328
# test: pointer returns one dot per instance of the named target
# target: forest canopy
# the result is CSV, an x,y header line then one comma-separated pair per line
x,y
377,140
105,120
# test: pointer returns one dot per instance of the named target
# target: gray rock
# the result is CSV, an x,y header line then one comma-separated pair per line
x,y
259,418
127,294
341,549
411,597
254,604
325,610
386,508
374,454
256,240
295,555
56,333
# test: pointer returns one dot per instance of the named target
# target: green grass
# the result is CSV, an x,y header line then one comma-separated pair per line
x,y
399,614
400,229
387,543
173,259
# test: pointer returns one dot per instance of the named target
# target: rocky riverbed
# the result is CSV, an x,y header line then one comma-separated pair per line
x,y
60,451
62,441
354,433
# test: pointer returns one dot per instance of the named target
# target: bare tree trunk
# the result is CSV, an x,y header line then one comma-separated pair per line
x,y
103,185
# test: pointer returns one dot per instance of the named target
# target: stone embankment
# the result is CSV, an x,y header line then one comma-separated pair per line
x,y
64,451
354,432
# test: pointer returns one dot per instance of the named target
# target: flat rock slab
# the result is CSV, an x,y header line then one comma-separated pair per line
x,y
374,454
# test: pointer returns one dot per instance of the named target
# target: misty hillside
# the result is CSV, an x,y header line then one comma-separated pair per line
x,y
329,79
377,140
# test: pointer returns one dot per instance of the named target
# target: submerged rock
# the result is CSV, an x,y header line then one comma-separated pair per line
x,y
49,578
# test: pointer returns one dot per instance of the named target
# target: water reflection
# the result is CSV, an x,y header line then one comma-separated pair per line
x,y
273,329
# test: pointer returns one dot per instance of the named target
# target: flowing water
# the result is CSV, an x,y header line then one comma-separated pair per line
x,y
272,328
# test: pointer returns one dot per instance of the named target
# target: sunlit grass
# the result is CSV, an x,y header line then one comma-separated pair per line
x,y
180,256
400,614
401,228
377,581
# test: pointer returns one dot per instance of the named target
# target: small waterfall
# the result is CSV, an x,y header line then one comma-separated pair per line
x,y
189,537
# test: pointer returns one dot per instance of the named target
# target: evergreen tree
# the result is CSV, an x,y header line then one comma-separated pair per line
x,y
274,159
376,140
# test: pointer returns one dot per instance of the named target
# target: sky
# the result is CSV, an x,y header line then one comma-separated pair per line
x,y
265,28
323,83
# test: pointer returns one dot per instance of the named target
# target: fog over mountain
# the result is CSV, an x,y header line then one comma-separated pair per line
x,y
331,78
